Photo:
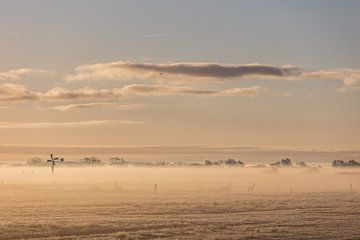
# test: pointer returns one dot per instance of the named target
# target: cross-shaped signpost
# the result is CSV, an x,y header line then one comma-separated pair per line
x,y
53,160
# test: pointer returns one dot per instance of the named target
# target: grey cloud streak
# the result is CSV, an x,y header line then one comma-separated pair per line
x,y
211,70
189,71
128,70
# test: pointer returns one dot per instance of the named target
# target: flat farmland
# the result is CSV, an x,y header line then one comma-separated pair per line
x,y
189,203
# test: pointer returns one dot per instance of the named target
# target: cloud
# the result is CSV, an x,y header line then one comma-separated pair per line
x,y
249,91
128,70
94,123
143,90
189,71
59,93
16,93
349,77
160,90
100,105
17,74
158,35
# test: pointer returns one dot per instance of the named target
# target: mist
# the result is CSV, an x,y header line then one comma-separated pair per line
x,y
158,202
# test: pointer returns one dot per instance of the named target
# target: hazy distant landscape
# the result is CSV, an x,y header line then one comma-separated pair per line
x,y
188,202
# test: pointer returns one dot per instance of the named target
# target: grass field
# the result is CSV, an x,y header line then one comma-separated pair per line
x,y
190,203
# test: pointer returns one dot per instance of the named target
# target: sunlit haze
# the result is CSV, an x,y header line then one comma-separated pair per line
x,y
179,119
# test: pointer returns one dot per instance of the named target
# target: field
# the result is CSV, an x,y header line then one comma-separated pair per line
x,y
189,203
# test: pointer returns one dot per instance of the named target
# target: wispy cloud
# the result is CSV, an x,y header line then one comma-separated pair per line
x,y
60,93
248,91
160,90
94,123
143,90
188,71
18,93
19,73
158,35
99,105
349,77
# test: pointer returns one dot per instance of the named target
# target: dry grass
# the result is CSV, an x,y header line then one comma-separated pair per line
x,y
87,204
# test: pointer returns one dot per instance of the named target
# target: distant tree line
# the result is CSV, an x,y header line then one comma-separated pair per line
x,y
341,163
229,162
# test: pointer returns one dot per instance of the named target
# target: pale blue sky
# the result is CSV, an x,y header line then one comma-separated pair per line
x,y
57,34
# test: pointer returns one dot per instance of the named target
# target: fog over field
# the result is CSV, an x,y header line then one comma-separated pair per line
x,y
181,119
179,202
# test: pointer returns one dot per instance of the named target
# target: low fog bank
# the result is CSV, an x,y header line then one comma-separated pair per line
x,y
153,180
187,202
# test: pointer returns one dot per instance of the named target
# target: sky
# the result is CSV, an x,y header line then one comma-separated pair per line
x,y
180,74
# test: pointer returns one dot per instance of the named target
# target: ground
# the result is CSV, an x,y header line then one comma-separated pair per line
x,y
103,210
